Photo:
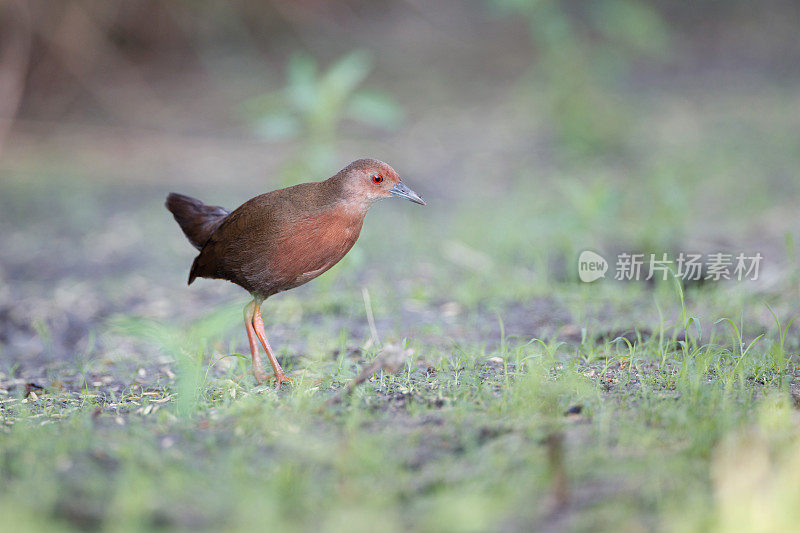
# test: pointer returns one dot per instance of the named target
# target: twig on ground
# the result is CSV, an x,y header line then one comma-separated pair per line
x,y
390,360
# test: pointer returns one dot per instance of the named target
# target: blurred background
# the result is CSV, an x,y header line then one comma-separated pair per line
x,y
534,128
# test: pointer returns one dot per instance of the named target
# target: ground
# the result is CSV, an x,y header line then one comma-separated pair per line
x,y
527,400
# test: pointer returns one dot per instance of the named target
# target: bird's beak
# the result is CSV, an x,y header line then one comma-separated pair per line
x,y
402,191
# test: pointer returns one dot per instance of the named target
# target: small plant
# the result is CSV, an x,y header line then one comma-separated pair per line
x,y
313,104
737,334
187,345
778,350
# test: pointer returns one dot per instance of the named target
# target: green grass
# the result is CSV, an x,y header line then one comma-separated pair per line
x,y
670,436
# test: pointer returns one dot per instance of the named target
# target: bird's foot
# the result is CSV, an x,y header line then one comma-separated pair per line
x,y
280,379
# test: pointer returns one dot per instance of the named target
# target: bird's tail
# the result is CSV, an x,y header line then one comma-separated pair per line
x,y
197,220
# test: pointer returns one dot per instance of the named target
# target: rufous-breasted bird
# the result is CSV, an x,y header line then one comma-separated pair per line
x,y
285,238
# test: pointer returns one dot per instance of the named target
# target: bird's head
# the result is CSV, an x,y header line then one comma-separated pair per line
x,y
368,180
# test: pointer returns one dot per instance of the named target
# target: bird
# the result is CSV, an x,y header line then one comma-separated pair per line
x,y
284,238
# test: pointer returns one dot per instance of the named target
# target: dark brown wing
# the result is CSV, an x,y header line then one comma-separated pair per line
x,y
225,253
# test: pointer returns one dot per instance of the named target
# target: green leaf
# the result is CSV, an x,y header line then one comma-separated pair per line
x,y
263,104
278,126
302,83
344,76
376,109
634,25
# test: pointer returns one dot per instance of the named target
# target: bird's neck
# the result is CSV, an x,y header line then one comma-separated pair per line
x,y
350,201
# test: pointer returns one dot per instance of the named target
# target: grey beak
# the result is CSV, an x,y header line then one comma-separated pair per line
x,y
402,191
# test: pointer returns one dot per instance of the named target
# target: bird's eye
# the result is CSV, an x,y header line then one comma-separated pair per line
x,y
377,178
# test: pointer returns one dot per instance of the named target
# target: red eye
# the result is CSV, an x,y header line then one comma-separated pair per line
x,y
377,178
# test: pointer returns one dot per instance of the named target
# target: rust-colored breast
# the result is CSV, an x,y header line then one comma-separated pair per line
x,y
310,246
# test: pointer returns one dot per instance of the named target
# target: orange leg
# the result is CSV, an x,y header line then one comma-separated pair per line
x,y
258,325
258,369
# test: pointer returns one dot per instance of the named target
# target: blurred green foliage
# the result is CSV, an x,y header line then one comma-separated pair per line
x,y
582,54
312,105
186,345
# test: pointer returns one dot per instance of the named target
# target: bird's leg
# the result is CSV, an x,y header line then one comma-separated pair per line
x,y
258,325
258,369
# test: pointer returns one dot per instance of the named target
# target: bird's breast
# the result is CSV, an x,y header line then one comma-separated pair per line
x,y
310,246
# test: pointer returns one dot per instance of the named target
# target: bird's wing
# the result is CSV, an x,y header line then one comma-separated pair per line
x,y
231,245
